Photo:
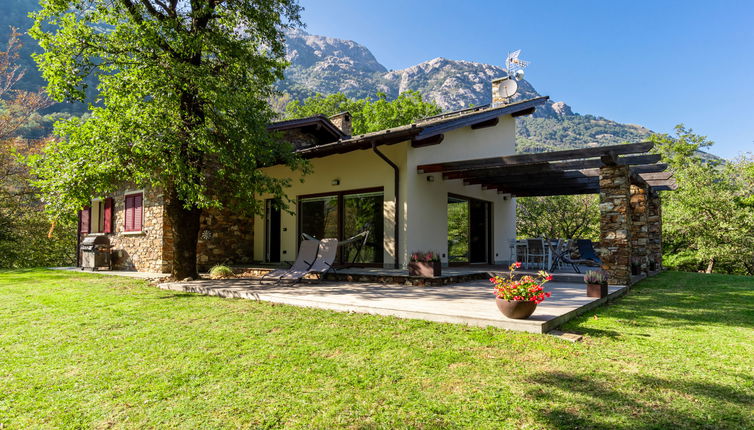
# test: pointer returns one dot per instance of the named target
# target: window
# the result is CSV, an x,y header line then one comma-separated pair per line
x,y
342,216
134,212
97,218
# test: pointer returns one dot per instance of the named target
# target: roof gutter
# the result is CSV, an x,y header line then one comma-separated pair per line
x,y
396,192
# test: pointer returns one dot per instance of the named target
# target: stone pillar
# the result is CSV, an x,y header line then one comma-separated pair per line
x,y
639,228
654,230
615,223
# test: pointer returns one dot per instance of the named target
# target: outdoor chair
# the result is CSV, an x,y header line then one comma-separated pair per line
x,y
328,249
563,256
586,251
535,253
307,254
518,251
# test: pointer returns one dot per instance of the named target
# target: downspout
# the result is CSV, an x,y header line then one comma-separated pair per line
x,y
397,179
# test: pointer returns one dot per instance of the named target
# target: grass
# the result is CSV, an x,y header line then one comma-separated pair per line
x,y
88,351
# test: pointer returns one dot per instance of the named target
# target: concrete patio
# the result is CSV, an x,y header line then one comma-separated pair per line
x,y
469,302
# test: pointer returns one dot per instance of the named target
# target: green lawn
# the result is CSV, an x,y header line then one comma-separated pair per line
x,y
87,351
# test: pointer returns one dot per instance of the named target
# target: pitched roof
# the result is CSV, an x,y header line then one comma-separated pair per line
x,y
422,130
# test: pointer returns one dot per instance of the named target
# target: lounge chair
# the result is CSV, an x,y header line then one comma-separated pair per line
x,y
307,253
328,248
586,251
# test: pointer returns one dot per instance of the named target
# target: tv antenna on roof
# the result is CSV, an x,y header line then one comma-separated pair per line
x,y
515,65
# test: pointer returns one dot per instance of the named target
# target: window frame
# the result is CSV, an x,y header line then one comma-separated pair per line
x,y
339,195
126,196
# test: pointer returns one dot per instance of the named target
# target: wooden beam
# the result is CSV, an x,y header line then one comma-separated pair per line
x,y
649,168
484,124
523,159
610,158
433,140
524,112
656,176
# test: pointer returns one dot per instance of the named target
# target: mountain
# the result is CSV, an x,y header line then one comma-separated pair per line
x,y
327,65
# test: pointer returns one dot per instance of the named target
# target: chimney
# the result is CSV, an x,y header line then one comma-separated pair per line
x,y
343,122
497,98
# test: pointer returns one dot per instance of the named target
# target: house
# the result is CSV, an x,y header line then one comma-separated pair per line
x,y
404,188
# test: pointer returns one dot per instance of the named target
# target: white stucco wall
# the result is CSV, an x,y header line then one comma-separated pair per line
x,y
427,211
355,170
424,222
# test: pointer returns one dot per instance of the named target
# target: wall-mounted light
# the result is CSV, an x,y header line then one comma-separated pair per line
x,y
335,182
430,178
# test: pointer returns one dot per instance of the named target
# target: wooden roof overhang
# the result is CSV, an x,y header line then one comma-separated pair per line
x,y
426,132
573,171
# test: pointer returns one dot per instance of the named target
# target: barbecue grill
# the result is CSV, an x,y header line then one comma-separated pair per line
x,y
95,252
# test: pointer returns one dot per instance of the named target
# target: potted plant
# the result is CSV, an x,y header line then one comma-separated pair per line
x,y
518,297
426,264
596,283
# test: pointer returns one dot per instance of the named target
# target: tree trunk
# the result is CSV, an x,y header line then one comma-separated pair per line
x,y
710,265
185,226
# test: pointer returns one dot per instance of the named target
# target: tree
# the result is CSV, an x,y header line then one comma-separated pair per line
x,y
708,222
181,106
569,217
367,114
25,235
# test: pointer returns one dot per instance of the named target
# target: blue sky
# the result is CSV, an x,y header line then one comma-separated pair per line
x,y
654,63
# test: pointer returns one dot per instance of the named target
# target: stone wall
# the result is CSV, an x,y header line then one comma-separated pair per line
x,y
615,223
654,228
141,251
224,237
639,228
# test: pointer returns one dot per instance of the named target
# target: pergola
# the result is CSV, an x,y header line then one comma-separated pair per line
x,y
626,177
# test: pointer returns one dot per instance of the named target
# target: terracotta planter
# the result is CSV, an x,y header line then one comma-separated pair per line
x,y
516,309
426,270
596,290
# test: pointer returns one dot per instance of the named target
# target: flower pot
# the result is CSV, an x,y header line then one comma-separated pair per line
x,y
516,309
596,290
652,266
424,269
635,269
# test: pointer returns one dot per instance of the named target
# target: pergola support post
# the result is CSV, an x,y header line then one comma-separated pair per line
x,y
615,223
639,228
654,229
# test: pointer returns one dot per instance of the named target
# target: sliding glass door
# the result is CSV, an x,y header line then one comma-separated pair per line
x,y
343,216
469,230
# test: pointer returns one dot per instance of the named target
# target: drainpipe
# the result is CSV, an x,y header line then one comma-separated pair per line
x,y
397,176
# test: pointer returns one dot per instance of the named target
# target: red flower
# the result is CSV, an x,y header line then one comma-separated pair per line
x,y
518,265
549,278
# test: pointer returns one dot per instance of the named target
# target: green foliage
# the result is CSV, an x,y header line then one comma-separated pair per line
x,y
220,271
182,99
563,217
367,114
458,231
573,131
708,222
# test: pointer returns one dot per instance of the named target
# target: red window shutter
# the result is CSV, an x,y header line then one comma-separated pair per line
x,y
108,227
129,224
138,212
85,219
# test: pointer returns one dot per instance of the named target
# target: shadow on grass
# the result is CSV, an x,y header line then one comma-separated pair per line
x,y
682,299
591,402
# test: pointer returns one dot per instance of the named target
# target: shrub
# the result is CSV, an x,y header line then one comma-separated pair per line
x,y
221,272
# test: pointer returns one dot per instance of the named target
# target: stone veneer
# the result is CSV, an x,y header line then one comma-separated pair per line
x,y
615,223
142,251
654,228
639,227
224,237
